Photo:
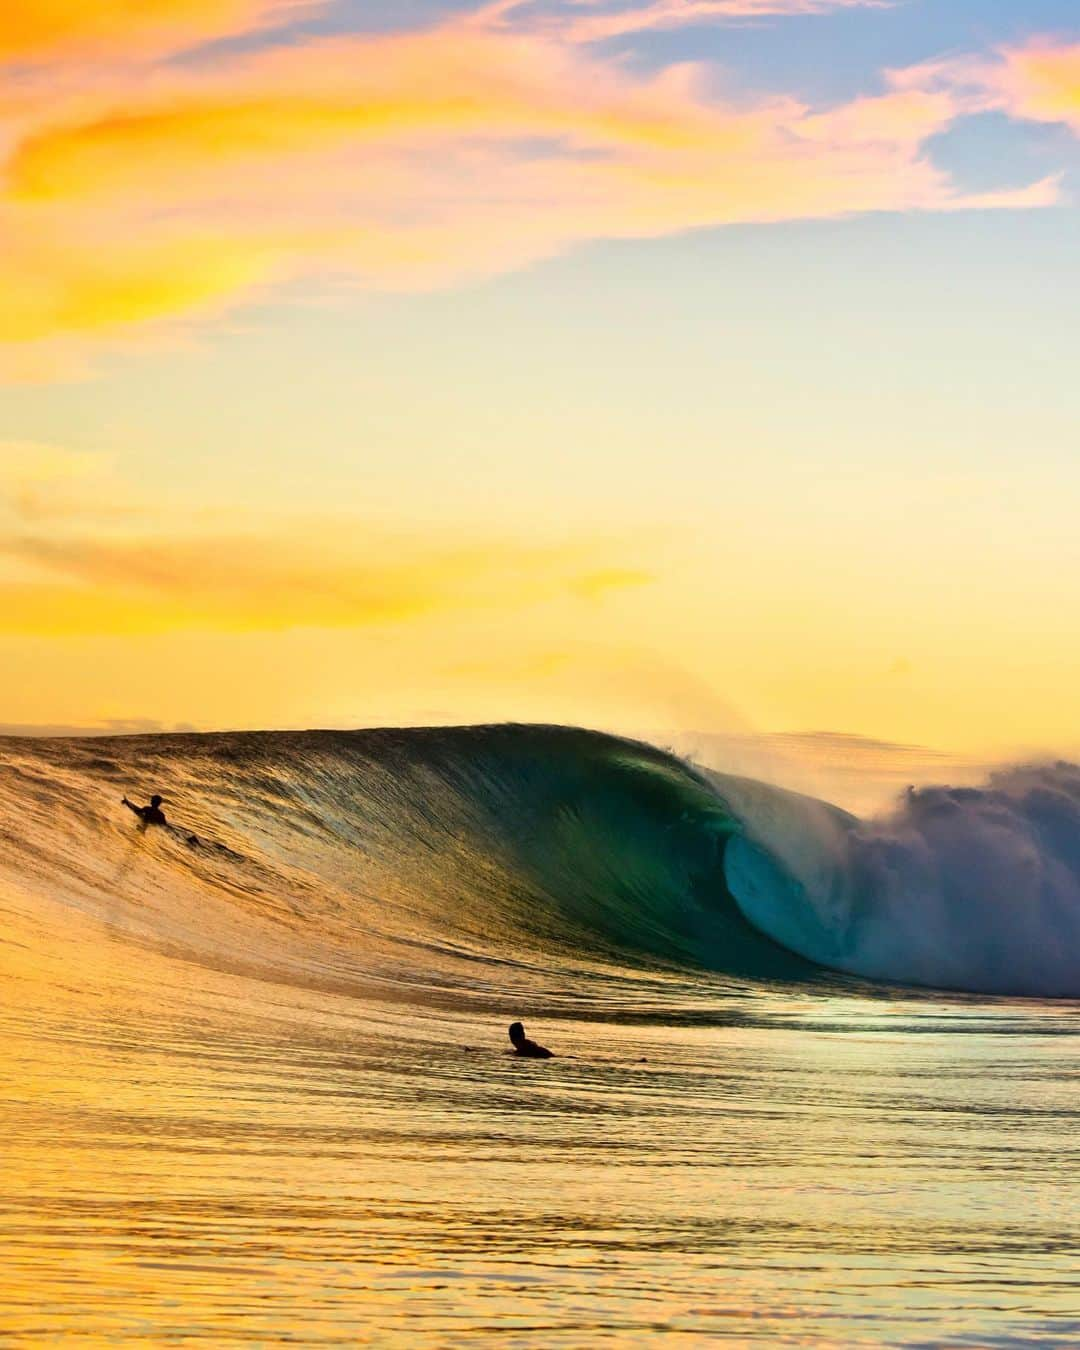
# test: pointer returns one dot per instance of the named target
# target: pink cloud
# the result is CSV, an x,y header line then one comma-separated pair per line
x,y
143,196
597,20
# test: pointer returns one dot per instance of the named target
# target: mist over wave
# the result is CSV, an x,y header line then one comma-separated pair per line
x,y
977,888
973,889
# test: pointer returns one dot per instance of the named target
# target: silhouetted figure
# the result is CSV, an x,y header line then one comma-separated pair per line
x,y
149,815
524,1047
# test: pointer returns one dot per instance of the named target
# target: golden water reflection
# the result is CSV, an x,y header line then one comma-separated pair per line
x,y
189,1156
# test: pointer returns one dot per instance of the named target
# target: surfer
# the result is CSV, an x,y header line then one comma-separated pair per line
x,y
149,815
524,1047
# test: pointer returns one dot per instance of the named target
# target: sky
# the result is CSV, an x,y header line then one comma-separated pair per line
x,y
680,365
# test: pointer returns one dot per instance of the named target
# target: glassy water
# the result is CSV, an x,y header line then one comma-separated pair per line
x,y
256,1090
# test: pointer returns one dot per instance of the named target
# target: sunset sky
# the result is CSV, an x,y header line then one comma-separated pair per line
x,y
659,364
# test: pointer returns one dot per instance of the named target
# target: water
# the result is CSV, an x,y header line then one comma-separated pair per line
x,y
255,1091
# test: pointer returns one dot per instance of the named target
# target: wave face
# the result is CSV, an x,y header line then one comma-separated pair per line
x,y
469,862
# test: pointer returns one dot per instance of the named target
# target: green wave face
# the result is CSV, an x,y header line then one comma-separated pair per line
x,y
618,849
399,855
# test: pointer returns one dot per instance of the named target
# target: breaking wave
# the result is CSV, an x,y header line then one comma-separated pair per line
x,y
439,864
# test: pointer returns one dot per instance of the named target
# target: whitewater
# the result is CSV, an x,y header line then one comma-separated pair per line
x,y
815,1078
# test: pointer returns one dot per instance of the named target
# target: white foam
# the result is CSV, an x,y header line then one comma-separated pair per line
x,y
964,888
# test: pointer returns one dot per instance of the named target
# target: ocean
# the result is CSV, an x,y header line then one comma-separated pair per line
x,y
815,1075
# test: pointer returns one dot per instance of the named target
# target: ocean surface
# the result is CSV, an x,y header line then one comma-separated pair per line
x,y
816,1076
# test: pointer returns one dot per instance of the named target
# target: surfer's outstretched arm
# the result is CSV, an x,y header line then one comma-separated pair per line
x,y
140,811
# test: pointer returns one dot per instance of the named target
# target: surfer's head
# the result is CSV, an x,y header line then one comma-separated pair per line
x,y
155,800
517,1033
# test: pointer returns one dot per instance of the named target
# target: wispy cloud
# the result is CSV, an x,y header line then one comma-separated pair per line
x,y
42,483
272,578
39,29
82,554
1041,83
1037,81
138,194
598,20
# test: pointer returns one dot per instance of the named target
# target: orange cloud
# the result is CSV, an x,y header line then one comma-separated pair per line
x,y
48,289
1041,83
412,160
1038,82
36,28
62,586
181,136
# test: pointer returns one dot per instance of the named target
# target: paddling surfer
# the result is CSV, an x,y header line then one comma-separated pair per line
x,y
524,1047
